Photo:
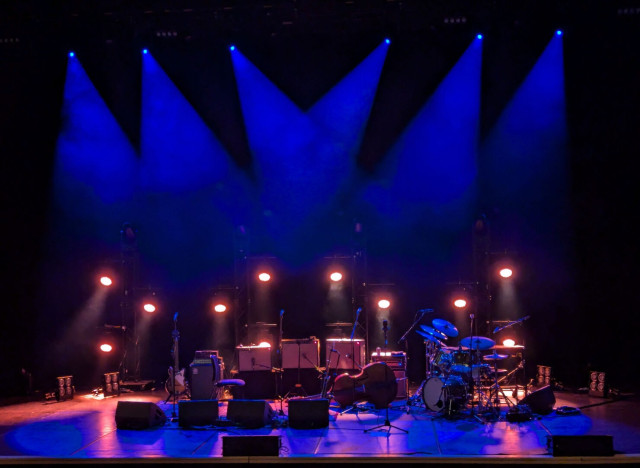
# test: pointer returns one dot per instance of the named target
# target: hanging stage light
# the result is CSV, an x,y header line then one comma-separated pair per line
x,y
264,277
336,276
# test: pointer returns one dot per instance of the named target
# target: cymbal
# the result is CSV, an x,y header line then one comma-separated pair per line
x,y
477,342
429,337
495,357
445,327
432,331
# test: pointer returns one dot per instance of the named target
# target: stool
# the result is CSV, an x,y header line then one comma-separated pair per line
x,y
220,383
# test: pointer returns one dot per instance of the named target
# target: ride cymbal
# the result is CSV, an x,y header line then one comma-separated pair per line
x,y
477,342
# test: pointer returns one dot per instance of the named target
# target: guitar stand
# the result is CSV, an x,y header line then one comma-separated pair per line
x,y
386,424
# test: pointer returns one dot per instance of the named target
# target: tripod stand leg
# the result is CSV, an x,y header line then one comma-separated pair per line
x,y
386,424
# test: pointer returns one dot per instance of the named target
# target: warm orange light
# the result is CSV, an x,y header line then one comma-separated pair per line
x,y
509,343
106,281
505,272
264,277
264,344
220,308
384,303
336,276
106,348
149,307
460,303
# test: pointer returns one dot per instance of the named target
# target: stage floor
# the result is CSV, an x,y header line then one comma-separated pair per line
x,y
83,430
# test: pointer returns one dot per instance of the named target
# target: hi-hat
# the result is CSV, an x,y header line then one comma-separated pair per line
x,y
429,337
495,357
432,331
445,327
477,342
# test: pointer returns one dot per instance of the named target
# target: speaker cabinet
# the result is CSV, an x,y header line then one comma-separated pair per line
x,y
254,358
583,445
138,415
308,414
541,401
202,387
197,412
303,353
251,414
257,445
343,353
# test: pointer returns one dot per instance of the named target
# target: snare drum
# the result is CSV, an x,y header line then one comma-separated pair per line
x,y
444,394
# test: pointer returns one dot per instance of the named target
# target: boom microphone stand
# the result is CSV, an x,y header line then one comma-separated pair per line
x,y
419,315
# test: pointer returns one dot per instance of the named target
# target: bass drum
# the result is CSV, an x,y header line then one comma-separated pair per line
x,y
441,393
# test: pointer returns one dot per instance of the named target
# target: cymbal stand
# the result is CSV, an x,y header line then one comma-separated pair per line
x,y
417,396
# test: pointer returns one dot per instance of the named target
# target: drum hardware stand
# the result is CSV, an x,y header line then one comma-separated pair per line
x,y
386,424
403,339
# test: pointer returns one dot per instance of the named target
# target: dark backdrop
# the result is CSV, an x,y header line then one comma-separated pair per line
x,y
586,321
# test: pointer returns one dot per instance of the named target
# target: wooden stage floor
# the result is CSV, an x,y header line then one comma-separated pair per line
x,y
83,430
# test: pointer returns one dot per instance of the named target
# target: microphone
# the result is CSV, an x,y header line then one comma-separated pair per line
x,y
497,329
358,312
281,312
175,317
384,325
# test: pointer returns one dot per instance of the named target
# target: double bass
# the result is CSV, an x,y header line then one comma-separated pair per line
x,y
376,383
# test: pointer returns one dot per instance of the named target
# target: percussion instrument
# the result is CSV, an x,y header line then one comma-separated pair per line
x,y
447,394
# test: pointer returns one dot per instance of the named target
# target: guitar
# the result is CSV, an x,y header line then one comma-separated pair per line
x,y
376,383
180,383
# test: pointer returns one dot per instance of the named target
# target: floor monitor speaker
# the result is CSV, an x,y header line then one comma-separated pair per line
x,y
308,414
197,412
540,401
582,445
249,413
254,445
138,415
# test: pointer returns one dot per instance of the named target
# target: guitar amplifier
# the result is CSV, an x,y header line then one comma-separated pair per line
x,y
397,360
348,354
254,358
305,352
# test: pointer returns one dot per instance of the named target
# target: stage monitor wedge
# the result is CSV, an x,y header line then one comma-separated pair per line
x,y
138,415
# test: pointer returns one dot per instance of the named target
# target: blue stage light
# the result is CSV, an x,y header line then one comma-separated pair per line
x,y
558,32
72,54
387,41
232,48
145,51
479,36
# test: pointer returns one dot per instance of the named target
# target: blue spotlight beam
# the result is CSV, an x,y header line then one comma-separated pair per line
x,y
303,159
525,151
96,168
192,194
179,152
432,167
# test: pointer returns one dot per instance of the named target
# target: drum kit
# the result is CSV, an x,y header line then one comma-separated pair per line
x,y
462,376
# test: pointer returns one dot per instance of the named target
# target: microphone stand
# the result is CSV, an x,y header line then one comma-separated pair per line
x,y
419,315
176,363
353,346
279,364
